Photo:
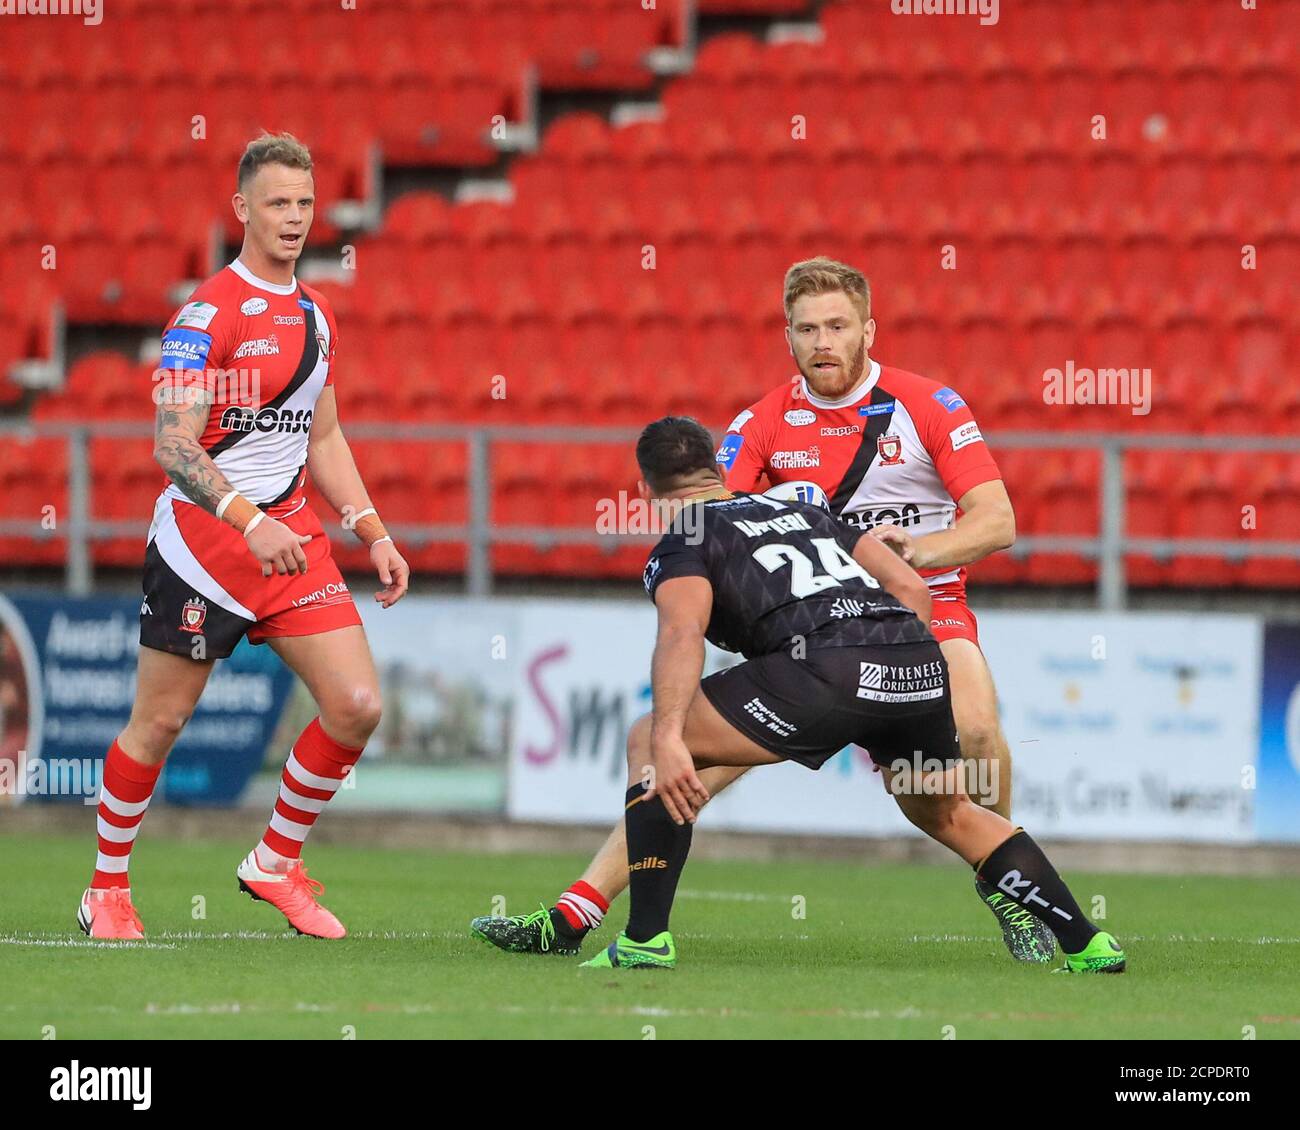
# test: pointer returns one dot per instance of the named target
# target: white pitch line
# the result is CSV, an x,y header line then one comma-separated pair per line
x,y
170,939
1263,941
730,896
172,936
291,936
359,1013
80,943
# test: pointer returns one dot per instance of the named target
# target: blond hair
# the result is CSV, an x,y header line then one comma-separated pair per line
x,y
272,149
825,276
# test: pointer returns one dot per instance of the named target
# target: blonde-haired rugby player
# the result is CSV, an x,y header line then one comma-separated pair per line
x,y
246,410
898,455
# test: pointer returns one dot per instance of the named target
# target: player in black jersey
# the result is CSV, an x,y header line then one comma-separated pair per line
x,y
833,629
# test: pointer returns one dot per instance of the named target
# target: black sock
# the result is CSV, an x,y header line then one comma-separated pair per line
x,y
1019,869
563,929
656,852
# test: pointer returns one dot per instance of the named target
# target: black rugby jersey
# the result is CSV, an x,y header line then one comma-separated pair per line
x,y
780,571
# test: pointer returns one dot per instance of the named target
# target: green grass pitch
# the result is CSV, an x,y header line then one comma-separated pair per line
x,y
896,951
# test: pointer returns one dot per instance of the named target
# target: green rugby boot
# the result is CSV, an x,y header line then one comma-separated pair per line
x,y
1026,936
1102,955
623,953
538,932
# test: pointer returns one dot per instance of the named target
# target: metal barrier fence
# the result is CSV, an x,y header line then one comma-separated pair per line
x,y
1109,546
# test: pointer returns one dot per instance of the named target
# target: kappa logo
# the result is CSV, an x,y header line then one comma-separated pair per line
x,y
890,449
287,319
193,613
145,610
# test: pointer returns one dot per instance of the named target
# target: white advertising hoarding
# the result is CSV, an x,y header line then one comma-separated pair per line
x,y
1134,726
1121,726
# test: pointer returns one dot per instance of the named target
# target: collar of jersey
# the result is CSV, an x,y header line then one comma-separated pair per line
x,y
250,278
863,390
720,494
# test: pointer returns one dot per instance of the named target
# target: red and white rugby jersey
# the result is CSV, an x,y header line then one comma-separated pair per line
x,y
898,449
264,350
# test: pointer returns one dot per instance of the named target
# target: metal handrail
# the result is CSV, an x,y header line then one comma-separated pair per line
x,y
1109,547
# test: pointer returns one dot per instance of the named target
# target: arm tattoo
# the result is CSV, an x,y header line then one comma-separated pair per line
x,y
180,421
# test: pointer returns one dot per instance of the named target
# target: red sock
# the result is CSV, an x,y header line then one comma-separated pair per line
x,y
583,906
124,792
312,775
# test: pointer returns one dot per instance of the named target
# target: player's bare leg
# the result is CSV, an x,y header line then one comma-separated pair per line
x,y
1011,864
975,710
657,843
340,674
167,689
948,815
560,929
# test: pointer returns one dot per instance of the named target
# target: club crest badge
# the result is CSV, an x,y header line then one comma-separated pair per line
x,y
193,614
891,450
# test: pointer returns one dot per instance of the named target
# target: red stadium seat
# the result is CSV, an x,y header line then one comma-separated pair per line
x,y
1276,518
34,488
1119,253
126,484
1148,476
1211,493
1067,485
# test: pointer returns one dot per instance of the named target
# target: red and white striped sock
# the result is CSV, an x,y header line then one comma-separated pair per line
x,y
312,775
583,906
124,791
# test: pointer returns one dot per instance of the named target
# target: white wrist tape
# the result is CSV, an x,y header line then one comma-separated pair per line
x,y
386,537
368,510
252,524
221,506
